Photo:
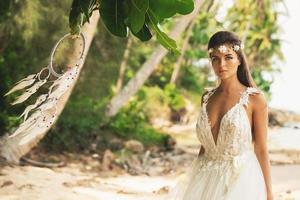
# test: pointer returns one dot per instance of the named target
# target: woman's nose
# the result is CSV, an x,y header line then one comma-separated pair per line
x,y
222,63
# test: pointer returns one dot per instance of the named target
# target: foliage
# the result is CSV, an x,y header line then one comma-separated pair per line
x,y
5,6
194,79
195,76
84,113
258,27
31,28
139,16
130,122
175,98
263,83
153,102
77,126
149,103
25,44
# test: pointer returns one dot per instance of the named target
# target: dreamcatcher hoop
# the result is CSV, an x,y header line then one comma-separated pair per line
x,y
44,111
50,66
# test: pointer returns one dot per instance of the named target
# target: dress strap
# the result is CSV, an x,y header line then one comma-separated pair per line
x,y
208,95
244,100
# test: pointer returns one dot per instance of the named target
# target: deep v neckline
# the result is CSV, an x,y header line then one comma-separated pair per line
x,y
216,142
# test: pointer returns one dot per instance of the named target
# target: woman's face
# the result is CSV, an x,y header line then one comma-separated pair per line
x,y
224,61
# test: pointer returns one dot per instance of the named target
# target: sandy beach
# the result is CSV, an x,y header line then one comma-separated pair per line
x,y
77,181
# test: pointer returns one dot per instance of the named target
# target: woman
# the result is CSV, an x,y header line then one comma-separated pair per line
x,y
233,161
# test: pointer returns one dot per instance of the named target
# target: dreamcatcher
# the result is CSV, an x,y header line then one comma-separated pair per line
x,y
65,61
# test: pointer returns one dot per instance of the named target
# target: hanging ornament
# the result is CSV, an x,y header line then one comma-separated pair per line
x,y
44,110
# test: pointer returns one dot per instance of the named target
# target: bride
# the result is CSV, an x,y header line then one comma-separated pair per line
x,y
233,162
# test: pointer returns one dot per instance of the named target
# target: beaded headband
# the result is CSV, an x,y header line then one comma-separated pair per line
x,y
223,48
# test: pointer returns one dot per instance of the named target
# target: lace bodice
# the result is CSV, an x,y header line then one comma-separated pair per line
x,y
234,139
228,169
234,136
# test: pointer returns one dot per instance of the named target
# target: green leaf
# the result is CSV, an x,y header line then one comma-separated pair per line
x,y
87,7
144,34
112,13
162,38
5,5
75,17
163,8
168,8
184,6
136,14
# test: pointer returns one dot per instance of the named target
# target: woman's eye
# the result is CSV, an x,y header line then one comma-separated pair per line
x,y
228,58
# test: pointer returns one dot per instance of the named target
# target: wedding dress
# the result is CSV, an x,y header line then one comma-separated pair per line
x,y
228,169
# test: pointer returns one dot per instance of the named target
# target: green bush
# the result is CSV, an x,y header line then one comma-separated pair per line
x,y
175,98
77,125
130,123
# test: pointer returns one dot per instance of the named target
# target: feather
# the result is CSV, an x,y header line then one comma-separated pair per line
x,y
39,100
29,92
50,103
68,76
62,85
26,111
31,76
21,85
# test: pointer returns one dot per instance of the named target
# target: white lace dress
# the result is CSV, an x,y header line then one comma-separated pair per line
x,y
229,169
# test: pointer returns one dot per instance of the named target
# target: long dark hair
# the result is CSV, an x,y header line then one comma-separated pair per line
x,y
227,37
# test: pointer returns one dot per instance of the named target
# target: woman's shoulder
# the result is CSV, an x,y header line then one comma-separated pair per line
x,y
257,98
254,90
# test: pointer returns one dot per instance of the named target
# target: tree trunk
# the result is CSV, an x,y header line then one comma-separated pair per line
x,y
10,148
145,71
189,32
123,65
183,49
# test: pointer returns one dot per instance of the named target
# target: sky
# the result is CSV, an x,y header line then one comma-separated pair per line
x,y
286,87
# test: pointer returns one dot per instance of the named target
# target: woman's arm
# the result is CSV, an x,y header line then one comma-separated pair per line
x,y
260,129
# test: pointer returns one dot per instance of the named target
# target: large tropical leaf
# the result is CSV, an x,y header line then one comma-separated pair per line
x,y
136,14
162,38
163,8
184,6
75,17
87,7
140,16
168,8
144,34
112,13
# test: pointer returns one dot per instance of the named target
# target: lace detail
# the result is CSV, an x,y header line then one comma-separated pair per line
x,y
208,94
244,100
234,140
228,169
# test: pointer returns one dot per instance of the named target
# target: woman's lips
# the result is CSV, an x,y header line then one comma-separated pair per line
x,y
221,71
